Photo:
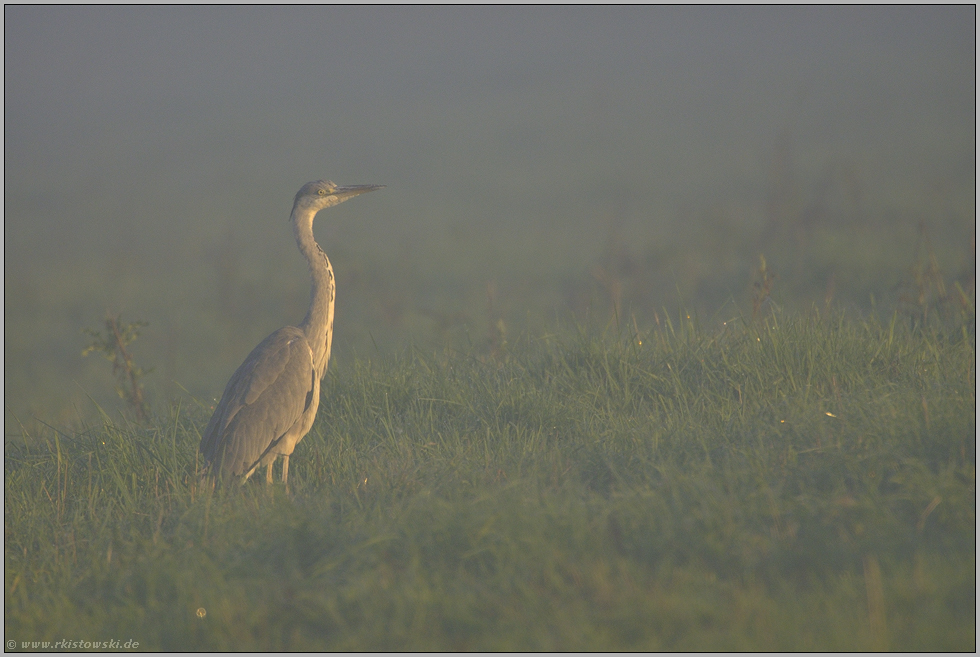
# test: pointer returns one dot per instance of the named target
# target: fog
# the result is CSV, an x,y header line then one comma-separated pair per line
x,y
151,151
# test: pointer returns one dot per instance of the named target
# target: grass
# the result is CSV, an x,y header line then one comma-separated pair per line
x,y
801,482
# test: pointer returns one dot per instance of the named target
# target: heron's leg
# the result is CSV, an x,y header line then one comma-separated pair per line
x,y
268,472
285,467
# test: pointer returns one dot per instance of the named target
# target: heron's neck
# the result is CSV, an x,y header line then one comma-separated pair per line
x,y
318,324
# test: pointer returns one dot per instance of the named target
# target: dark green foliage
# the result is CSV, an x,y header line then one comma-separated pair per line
x,y
802,483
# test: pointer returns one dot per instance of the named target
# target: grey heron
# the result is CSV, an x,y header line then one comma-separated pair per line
x,y
271,400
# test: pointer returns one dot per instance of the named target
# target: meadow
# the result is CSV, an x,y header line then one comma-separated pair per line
x,y
661,335
518,446
788,481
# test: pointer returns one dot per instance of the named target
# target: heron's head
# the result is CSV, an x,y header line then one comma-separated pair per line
x,y
321,194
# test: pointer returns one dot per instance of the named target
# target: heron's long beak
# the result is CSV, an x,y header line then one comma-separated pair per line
x,y
344,192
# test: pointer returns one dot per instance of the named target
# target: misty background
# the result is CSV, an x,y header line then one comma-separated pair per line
x,y
544,166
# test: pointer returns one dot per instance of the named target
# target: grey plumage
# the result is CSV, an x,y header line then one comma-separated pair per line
x,y
271,400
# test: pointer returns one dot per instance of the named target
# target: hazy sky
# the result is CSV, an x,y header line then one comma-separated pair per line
x,y
185,105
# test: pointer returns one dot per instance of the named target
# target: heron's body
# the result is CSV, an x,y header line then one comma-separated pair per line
x,y
271,400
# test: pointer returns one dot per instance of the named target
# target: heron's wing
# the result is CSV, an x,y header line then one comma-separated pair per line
x,y
264,398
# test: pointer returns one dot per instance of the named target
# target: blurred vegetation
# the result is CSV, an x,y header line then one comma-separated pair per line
x,y
829,236
113,347
792,481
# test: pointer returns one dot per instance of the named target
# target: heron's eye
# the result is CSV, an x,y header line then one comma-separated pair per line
x,y
321,191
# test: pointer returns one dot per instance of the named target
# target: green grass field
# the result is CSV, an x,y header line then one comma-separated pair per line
x,y
797,482
661,335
